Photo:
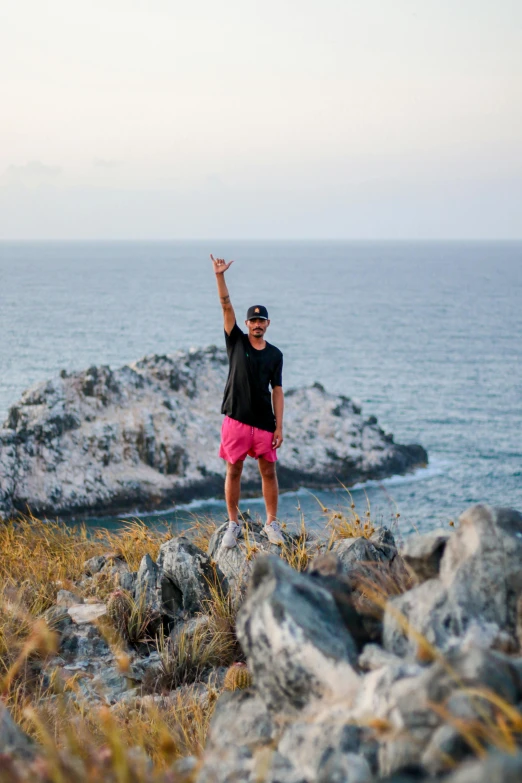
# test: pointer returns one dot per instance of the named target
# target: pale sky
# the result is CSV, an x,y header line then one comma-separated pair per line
x,y
157,119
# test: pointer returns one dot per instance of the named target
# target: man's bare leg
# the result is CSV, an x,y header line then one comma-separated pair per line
x,y
270,488
233,489
232,494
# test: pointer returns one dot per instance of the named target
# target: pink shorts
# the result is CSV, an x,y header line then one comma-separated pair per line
x,y
239,440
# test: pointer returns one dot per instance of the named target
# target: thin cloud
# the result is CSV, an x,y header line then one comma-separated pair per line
x,y
34,174
105,163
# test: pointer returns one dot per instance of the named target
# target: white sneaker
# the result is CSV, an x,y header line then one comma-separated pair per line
x,y
230,538
273,531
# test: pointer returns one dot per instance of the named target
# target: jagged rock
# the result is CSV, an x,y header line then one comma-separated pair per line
x,y
495,768
446,748
307,746
379,548
423,554
295,641
13,740
240,718
94,565
363,627
146,435
479,583
240,728
403,697
147,586
86,613
237,562
67,598
185,574
374,657
345,768
57,617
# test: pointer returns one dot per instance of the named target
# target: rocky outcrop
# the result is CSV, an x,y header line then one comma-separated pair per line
x,y
185,577
147,435
294,639
315,707
476,593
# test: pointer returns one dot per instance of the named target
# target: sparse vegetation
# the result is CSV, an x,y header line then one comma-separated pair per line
x,y
139,741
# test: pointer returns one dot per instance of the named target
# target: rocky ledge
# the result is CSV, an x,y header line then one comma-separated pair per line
x,y
147,435
373,664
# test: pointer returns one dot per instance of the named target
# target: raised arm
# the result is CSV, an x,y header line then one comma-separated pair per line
x,y
220,267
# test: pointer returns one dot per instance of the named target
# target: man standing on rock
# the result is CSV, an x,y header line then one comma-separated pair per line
x,y
251,425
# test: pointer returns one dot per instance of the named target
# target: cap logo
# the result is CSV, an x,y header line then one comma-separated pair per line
x,y
256,310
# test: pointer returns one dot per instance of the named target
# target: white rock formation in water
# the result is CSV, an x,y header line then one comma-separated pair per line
x,y
146,436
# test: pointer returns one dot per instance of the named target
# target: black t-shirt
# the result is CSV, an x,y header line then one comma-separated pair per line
x,y
247,396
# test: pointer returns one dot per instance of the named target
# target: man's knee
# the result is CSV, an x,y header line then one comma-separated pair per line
x,y
267,469
234,470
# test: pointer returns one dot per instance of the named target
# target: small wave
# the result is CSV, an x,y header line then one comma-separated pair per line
x,y
436,467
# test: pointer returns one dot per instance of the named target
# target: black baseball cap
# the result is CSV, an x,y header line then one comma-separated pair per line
x,y
257,311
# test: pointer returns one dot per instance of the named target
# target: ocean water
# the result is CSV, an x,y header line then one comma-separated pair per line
x,y
427,336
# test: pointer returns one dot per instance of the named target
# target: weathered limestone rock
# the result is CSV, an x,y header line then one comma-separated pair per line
x,y
66,598
296,644
147,435
185,574
237,563
379,548
240,729
240,718
403,697
86,613
147,586
495,768
479,584
308,747
423,554
13,740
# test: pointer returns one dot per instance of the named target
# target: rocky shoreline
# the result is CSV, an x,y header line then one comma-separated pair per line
x,y
146,435
372,663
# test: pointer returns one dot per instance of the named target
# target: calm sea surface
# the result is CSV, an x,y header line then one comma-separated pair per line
x,y
428,336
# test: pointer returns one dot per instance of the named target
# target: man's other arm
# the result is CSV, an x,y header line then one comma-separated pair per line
x,y
278,403
229,316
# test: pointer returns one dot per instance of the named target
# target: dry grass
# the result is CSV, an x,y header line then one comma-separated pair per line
x,y
348,523
137,742
38,558
188,655
301,548
201,531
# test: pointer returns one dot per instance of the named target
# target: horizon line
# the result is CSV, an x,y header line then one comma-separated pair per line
x,y
257,239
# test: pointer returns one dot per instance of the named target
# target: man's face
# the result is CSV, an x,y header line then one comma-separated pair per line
x,y
257,326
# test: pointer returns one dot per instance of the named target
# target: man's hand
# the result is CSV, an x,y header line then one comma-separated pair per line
x,y
278,438
220,265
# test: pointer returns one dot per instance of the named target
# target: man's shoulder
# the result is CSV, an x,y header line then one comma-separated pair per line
x,y
274,350
235,334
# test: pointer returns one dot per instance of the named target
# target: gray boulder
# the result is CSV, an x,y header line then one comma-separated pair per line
x,y
146,588
406,698
423,554
354,552
495,768
13,740
240,718
479,584
293,636
185,575
237,563
314,748
240,729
